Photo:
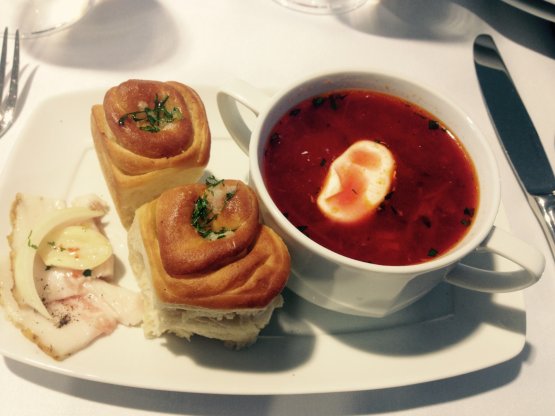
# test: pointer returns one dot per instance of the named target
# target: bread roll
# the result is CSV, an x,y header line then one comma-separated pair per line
x,y
220,276
149,136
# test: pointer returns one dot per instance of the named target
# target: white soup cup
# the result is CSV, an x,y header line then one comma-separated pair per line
x,y
342,284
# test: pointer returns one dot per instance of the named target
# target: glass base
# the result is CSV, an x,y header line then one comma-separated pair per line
x,y
36,18
322,6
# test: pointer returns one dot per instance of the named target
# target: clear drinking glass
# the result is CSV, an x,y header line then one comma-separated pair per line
x,y
41,17
322,6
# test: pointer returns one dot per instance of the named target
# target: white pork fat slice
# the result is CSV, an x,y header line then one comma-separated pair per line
x,y
79,302
357,182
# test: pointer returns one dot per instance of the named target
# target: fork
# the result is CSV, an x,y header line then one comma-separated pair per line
x,y
7,106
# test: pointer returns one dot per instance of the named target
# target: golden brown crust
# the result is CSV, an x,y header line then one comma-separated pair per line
x,y
134,95
139,165
251,280
183,250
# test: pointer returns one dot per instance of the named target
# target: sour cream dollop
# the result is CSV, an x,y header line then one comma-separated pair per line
x,y
357,182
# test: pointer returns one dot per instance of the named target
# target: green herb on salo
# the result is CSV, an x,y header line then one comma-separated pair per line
x,y
29,244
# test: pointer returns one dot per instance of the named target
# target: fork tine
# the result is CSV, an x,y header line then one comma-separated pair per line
x,y
7,107
3,61
12,96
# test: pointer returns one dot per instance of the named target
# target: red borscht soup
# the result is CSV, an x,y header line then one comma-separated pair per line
x,y
424,202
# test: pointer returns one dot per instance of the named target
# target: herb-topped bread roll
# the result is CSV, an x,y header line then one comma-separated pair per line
x,y
149,136
205,264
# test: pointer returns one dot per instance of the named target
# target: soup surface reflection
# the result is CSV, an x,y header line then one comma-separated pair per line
x,y
371,176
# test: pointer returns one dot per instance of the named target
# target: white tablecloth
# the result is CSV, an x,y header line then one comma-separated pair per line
x,y
206,43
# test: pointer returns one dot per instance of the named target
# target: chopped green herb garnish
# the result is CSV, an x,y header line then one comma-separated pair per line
x,y
432,252
465,222
275,139
153,119
29,244
295,112
333,102
56,247
469,212
211,181
323,162
433,125
318,101
203,216
302,228
426,221
229,195
87,272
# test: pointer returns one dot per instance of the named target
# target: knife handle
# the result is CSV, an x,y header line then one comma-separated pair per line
x,y
544,209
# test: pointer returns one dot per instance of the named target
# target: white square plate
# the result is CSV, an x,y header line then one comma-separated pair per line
x,y
305,349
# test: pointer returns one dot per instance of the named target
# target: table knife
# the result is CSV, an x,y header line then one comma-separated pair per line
x,y
516,134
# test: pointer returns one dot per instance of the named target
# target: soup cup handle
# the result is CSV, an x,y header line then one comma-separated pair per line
x,y
482,278
228,97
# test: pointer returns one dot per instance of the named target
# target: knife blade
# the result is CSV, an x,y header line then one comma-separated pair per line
x,y
517,134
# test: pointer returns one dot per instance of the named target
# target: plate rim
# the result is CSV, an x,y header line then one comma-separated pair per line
x,y
484,331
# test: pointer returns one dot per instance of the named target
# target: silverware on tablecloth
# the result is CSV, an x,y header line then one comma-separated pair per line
x,y
7,106
517,134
